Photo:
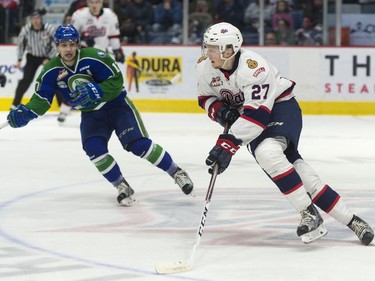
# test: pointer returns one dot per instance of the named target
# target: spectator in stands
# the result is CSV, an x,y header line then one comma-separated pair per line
x,y
282,11
200,19
309,34
270,38
121,8
76,5
314,9
106,3
168,16
142,15
291,3
11,7
129,32
201,6
299,4
2,24
230,11
284,35
252,13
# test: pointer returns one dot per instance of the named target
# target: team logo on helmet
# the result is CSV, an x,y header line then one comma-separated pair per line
x,y
224,30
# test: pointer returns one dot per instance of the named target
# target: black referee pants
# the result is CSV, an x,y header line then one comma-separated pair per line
x,y
32,64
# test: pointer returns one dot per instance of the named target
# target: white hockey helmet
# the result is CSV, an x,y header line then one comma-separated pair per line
x,y
224,35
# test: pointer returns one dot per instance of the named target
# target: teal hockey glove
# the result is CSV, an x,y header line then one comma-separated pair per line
x,y
86,95
20,116
221,155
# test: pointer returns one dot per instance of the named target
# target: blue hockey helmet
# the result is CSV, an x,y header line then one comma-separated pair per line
x,y
66,33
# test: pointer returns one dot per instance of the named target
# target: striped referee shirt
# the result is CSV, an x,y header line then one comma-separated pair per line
x,y
38,43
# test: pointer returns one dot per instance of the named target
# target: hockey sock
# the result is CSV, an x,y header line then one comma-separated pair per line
x,y
96,150
329,201
323,195
153,153
271,158
108,167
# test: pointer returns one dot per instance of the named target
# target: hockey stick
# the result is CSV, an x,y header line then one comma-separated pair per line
x,y
187,265
4,124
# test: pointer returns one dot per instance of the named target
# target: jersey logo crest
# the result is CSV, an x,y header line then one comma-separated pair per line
x,y
95,31
216,82
62,73
101,54
252,63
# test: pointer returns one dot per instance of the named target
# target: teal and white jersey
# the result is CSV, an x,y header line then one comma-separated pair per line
x,y
92,65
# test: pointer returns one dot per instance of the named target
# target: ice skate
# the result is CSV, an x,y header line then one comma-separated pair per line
x,y
64,112
62,117
125,194
311,227
184,182
361,228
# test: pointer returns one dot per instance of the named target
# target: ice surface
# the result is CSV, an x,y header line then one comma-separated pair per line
x,y
59,219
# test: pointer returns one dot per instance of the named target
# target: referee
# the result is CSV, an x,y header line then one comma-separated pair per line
x,y
36,40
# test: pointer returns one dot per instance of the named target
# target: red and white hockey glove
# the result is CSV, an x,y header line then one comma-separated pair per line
x,y
223,114
221,154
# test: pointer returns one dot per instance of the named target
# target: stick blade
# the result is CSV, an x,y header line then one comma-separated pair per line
x,y
173,267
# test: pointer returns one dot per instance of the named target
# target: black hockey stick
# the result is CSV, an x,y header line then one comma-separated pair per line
x,y
187,265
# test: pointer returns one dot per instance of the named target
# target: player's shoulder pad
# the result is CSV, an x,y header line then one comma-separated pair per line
x,y
93,53
109,12
52,66
253,63
201,59
81,12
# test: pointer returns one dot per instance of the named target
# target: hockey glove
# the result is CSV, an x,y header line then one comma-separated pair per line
x,y
20,116
221,155
223,114
229,115
119,55
86,95
87,40
3,80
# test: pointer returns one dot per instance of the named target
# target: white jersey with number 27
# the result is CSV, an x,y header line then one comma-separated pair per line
x,y
254,85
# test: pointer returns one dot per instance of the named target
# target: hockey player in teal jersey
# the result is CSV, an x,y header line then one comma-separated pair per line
x,y
90,80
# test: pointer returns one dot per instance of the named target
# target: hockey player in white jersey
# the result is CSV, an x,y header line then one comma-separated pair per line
x,y
99,28
241,88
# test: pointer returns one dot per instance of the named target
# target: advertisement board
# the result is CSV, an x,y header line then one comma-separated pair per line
x,y
163,76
